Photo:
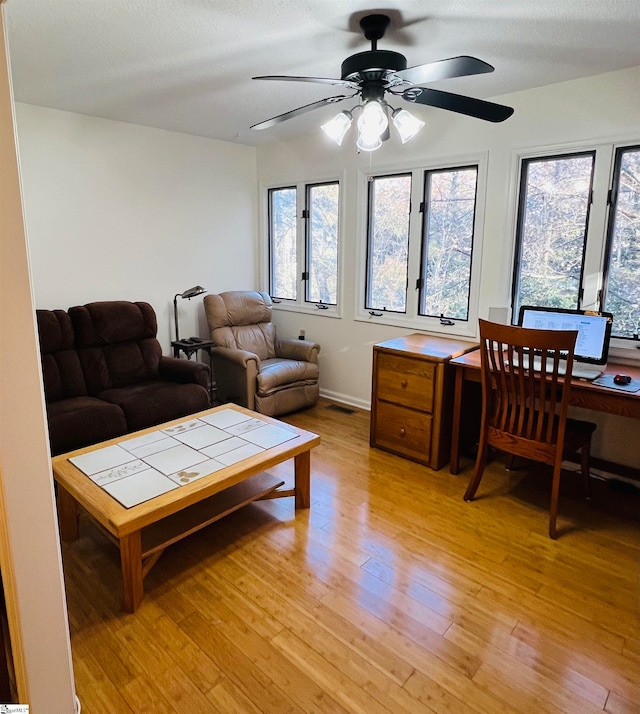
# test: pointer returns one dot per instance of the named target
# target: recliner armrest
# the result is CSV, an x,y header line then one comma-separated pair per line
x,y
174,369
239,357
235,373
302,350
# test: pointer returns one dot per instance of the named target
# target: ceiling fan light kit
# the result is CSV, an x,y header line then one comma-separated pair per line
x,y
406,124
338,126
373,74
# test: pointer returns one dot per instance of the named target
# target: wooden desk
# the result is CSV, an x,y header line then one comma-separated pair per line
x,y
583,394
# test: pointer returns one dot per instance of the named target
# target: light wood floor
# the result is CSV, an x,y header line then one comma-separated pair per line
x,y
389,595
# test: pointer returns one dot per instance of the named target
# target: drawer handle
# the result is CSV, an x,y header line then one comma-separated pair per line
x,y
403,383
402,431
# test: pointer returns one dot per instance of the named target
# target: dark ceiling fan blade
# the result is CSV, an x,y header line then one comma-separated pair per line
x,y
444,69
317,80
477,108
300,110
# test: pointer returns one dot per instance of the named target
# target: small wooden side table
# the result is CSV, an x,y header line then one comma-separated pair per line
x,y
191,348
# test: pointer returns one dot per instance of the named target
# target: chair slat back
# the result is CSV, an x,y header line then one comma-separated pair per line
x,y
518,400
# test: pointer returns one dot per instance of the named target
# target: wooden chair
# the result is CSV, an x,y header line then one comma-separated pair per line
x,y
524,412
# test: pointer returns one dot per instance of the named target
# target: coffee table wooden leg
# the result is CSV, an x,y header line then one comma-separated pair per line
x,y
132,578
302,468
68,516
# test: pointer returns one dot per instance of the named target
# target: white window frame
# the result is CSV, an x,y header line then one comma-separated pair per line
x,y
412,319
596,234
300,304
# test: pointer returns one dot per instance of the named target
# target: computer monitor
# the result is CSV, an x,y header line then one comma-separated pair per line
x,y
594,329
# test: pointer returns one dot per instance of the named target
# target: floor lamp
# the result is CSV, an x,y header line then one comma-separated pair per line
x,y
188,294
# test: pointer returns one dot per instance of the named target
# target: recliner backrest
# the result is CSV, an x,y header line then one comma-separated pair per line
x,y
61,370
241,319
117,343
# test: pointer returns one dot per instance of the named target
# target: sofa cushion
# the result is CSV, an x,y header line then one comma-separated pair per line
x,y
97,324
80,421
61,369
277,373
116,343
150,403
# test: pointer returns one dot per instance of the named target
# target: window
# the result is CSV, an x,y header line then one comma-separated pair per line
x,y
622,276
322,243
563,258
447,244
552,229
388,243
303,243
283,243
431,248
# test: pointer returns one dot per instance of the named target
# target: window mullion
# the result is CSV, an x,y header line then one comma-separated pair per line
x,y
302,226
595,244
415,241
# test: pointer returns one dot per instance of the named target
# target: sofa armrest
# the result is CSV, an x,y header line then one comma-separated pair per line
x,y
302,350
174,369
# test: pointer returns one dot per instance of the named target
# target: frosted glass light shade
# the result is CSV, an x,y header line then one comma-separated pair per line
x,y
368,143
372,124
406,124
338,127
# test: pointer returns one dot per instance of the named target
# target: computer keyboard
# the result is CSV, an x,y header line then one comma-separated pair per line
x,y
580,370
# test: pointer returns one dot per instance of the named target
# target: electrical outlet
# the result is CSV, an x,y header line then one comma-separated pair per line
x,y
301,335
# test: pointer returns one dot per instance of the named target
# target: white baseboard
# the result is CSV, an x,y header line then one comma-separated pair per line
x,y
346,399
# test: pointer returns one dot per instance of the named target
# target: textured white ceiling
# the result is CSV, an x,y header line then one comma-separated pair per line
x,y
186,65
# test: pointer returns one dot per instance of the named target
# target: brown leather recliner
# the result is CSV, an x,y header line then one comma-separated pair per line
x,y
252,367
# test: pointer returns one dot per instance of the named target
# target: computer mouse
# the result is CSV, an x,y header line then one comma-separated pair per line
x,y
622,379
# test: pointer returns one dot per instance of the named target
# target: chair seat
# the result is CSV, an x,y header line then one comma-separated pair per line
x,y
276,373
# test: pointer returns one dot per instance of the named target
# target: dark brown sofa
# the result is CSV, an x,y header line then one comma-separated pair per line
x,y
104,374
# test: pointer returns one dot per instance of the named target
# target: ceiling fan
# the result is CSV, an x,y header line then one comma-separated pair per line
x,y
375,73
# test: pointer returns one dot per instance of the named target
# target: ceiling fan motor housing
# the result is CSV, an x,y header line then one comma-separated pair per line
x,y
373,64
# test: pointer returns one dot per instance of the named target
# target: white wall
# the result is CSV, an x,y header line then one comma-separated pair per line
x,y
116,211
29,546
600,108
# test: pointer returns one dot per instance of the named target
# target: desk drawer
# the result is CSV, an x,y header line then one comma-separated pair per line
x,y
406,381
403,431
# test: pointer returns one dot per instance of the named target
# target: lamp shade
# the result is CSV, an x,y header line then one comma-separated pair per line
x,y
338,127
368,143
372,124
192,292
406,124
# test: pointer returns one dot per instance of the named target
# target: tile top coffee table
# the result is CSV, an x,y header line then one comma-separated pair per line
x,y
154,487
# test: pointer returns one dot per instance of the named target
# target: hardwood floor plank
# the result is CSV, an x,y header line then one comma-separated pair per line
x,y
415,645
357,688
619,705
226,698
504,649
539,693
103,696
390,594
618,673
306,616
